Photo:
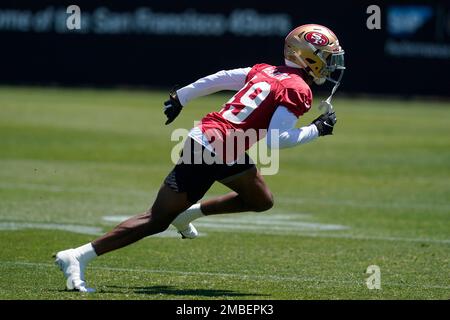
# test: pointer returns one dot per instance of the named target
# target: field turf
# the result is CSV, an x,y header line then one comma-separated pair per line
x,y
75,162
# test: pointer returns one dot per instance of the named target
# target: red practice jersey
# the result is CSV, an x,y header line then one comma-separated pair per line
x,y
252,107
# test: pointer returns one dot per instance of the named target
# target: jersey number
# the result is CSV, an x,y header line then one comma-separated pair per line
x,y
251,100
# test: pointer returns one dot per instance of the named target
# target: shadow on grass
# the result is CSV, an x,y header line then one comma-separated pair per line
x,y
171,290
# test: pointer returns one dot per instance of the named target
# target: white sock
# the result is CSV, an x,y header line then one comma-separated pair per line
x,y
193,212
86,253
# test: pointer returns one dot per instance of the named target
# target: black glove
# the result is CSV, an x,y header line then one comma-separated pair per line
x,y
325,123
172,107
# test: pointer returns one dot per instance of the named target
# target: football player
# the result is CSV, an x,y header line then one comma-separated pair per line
x,y
269,98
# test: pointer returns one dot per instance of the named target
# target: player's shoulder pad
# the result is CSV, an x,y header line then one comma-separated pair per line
x,y
260,66
298,84
298,99
257,68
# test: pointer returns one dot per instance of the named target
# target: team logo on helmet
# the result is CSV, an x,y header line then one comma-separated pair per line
x,y
316,38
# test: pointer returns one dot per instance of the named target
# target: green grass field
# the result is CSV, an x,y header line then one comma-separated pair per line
x,y
73,163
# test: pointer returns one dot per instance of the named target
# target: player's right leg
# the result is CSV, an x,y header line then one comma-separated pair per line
x,y
167,206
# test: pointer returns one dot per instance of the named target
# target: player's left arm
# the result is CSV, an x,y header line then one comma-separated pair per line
x,y
283,133
223,80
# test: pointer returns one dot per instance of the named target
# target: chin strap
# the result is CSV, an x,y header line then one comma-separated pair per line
x,y
325,105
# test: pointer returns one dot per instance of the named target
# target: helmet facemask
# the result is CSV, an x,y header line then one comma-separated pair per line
x,y
333,69
336,67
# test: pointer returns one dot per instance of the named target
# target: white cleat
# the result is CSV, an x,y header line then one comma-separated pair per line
x,y
189,233
83,288
73,270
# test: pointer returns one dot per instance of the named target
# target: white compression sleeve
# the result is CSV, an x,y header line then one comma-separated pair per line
x,y
288,136
222,80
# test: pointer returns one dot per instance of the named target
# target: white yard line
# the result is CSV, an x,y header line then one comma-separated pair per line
x,y
90,230
300,229
255,222
50,226
273,225
241,217
240,276
263,227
